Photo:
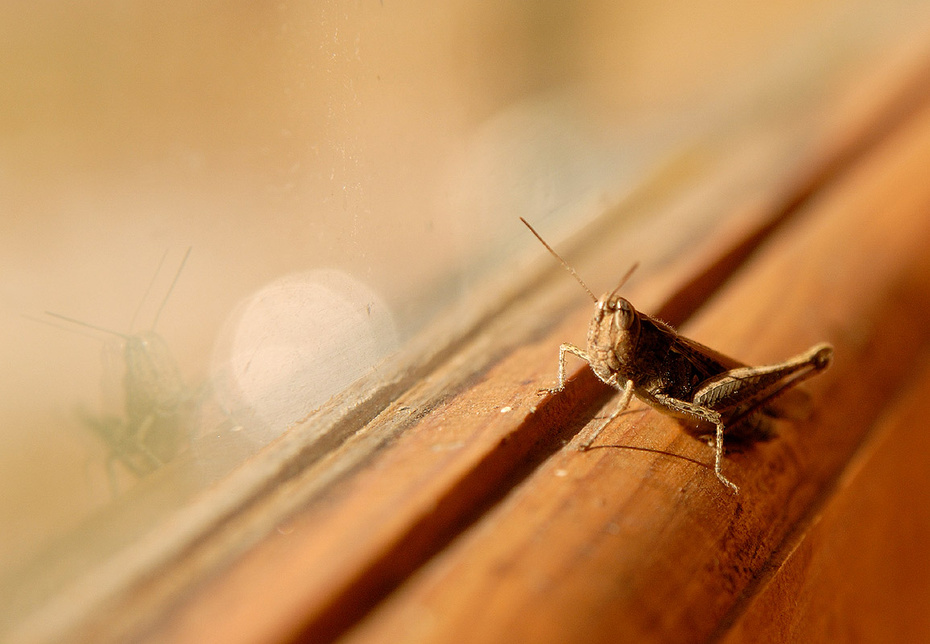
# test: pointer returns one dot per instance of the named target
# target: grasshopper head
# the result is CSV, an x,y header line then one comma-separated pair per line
x,y
614,328
613,331
152,379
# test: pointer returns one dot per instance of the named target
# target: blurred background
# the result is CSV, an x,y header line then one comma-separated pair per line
x,y
342,173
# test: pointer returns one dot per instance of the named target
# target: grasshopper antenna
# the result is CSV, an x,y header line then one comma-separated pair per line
x,y
148,289
566,264
171,288
86,324
629,274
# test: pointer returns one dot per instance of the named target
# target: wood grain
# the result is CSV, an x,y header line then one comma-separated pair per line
x,y
633,545
860,571
460,513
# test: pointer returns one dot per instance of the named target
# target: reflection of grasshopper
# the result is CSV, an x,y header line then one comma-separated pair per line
x,y
158,404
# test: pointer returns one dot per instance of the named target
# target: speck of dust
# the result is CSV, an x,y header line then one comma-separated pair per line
x,y
506,410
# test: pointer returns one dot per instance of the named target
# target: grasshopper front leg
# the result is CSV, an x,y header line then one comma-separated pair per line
x,y
625,397
563,349
622,404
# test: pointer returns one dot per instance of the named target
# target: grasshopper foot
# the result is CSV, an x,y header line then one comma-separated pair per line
x,y
727,482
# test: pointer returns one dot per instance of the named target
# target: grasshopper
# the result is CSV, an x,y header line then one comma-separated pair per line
x,y
156,401
641,355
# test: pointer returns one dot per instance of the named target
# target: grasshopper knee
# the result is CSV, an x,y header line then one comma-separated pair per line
x,y
822,356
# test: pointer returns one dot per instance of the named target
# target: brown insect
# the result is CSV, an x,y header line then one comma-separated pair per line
x,y
636,353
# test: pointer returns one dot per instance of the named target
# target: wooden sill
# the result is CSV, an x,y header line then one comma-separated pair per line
x,y
461,513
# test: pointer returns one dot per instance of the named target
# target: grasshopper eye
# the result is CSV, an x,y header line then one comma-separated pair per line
x,y
624,315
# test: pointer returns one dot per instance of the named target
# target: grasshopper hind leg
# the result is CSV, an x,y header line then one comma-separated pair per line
x,y
718,458
700,414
